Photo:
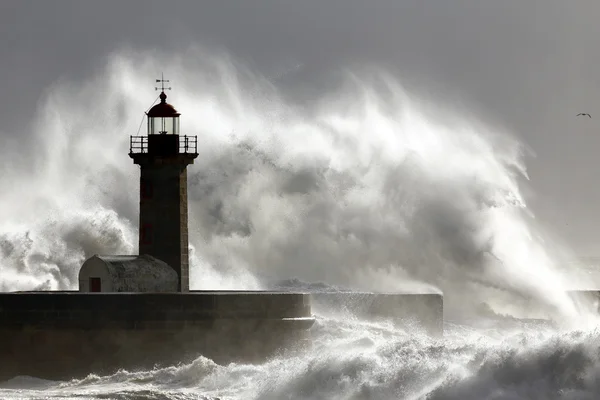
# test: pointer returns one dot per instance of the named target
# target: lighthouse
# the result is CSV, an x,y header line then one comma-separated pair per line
x,y
162,263
163,155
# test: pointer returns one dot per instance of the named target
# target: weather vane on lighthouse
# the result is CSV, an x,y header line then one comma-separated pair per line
x,y
162,81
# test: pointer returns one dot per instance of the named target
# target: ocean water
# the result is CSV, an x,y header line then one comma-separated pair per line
x,y
358,183
361,360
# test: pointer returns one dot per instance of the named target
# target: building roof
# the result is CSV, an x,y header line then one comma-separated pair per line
x,y
163,109
134,273
125,265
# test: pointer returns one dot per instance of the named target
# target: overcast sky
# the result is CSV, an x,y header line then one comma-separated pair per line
x,y
528,65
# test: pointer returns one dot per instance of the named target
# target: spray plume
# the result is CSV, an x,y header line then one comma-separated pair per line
x,y
366,187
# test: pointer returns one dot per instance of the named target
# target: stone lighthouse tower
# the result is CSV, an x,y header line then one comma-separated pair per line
x,y
163,156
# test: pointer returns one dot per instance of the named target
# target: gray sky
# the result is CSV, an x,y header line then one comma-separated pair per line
x,y
529,65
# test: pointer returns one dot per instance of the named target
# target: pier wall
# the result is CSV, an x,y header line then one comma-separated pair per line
x,y
62,335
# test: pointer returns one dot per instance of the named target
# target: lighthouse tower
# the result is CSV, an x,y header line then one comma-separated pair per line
x,y
163,156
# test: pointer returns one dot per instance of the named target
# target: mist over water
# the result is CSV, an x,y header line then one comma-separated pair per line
x,y
366,186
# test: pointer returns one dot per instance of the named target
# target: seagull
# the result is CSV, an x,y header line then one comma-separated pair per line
x,y
584,114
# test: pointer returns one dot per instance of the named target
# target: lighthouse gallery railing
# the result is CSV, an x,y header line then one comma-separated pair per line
x,y
187,144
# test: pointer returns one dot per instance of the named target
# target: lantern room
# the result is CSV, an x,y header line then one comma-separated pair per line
x,y
163,119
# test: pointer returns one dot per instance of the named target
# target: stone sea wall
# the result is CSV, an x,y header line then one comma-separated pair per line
x,y
69,334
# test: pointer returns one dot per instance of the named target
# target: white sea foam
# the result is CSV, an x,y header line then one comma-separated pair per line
x,y
358,360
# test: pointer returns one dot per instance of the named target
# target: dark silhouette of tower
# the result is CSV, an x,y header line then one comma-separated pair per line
x,y
163,156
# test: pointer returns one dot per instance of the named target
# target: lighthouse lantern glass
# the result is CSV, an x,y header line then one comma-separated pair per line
x,y
163,125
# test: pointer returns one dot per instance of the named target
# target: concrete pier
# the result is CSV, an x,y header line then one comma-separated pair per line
x,y
63,335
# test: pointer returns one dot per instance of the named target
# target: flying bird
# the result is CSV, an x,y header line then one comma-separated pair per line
x,y
584,114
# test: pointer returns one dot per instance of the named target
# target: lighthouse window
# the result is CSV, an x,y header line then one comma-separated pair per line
x,y
163,125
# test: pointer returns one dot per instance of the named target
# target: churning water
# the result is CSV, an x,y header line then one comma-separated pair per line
x,y
357,360
365,186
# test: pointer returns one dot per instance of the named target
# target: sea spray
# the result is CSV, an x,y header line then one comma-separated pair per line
x,y
364,180
357,360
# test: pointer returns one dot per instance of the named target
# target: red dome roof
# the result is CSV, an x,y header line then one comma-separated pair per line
x,y
163,109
